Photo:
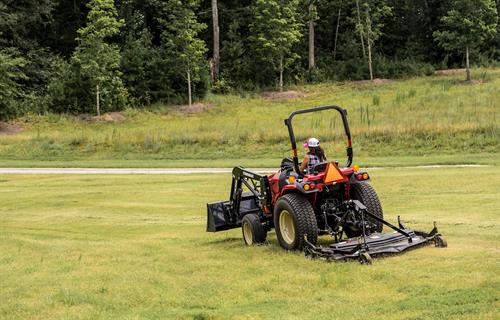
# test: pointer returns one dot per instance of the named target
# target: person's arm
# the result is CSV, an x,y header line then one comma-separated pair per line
x,y
304,163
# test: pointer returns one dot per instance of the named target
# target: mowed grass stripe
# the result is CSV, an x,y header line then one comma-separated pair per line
x,y
108,246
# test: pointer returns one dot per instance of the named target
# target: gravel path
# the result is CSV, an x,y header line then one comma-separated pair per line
x,y
173,170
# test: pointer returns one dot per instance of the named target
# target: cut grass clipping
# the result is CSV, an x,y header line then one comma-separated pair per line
x,y
135,246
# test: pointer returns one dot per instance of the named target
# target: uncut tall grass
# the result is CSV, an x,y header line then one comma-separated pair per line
x,y
408,117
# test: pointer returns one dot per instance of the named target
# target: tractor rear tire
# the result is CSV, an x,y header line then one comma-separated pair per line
x,y
366,194
294,220
252,229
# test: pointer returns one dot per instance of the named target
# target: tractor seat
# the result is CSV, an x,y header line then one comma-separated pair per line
x,y
320,167
286,165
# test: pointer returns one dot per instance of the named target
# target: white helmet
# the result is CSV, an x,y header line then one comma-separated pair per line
x,y
313,142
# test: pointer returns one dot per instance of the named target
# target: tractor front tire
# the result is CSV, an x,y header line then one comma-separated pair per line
x,y
366,194
252,229
294,220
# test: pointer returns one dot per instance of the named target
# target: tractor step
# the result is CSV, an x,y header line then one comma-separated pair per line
x,y
376,244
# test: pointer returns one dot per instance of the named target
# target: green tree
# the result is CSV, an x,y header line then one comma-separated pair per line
x,y
184,48
274,31
11,65
370,23
467,25
98,60
138,60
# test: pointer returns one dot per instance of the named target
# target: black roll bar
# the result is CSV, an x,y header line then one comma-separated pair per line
x,y
343,114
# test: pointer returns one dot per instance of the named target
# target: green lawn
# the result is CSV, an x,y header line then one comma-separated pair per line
x,y
431,119
135,247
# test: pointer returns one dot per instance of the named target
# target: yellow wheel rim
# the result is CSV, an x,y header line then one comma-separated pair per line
x,y
287,227
247,233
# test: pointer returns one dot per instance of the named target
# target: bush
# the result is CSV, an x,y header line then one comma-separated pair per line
x,y
391,68
222,86
11,64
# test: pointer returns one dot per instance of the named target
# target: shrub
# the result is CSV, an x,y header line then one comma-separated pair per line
x,y
10,75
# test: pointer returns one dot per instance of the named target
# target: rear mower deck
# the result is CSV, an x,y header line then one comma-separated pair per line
x,y
363,248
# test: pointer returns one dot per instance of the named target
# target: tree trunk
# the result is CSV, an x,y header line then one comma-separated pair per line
x,y
190,100
369,42
312,62
281,74
370,58
467,66
361,34
98,107
216,53
336,36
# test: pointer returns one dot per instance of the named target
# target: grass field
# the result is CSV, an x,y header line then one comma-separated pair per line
x,y
432,119
134,247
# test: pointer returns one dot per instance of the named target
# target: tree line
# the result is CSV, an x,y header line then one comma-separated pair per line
x,y
75,56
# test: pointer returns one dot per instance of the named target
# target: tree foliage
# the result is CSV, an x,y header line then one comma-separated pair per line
x,y
467,25
96,59
180,39
141,52
11,65
274,31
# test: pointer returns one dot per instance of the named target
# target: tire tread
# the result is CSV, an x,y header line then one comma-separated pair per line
x,y
370,199
306,219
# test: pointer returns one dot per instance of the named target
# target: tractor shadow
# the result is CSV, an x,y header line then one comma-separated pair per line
x,y
230,242
271,241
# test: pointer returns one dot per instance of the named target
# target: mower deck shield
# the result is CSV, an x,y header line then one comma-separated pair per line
x,y
377,244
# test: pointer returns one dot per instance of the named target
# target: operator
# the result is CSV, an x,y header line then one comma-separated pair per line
x,y
313,157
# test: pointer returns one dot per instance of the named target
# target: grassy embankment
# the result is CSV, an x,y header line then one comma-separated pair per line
x,y
87,247
428,120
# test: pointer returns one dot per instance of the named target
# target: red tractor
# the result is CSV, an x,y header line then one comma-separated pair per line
x,y
330,200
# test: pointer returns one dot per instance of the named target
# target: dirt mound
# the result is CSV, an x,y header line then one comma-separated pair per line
x,y
194,108
106,117
376,81
109,117
9,128
449,72
283,95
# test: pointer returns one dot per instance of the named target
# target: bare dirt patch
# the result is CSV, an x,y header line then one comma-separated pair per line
x,y
283,95
194,108
376,82
449,72
10,128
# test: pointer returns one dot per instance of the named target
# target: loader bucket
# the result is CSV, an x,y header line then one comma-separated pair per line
x,y
218,216
225,215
